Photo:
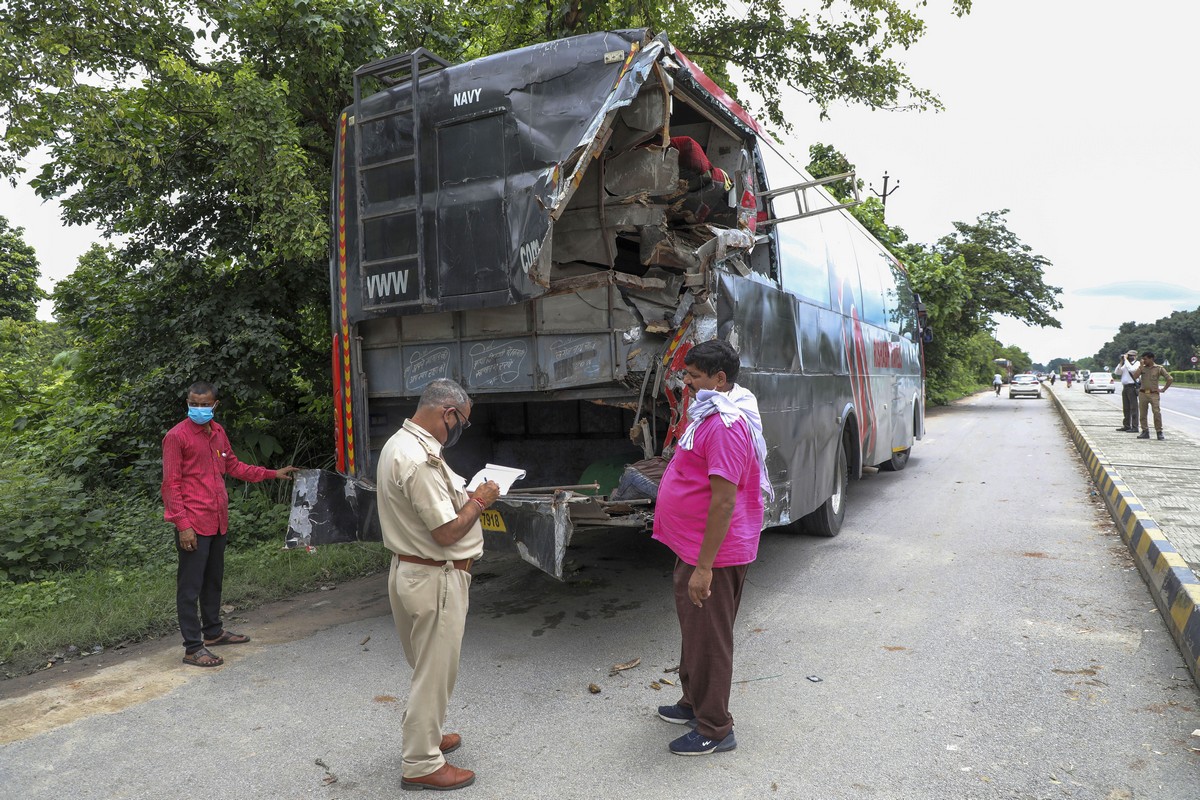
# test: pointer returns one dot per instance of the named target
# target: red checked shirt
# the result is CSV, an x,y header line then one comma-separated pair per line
x,y
196,459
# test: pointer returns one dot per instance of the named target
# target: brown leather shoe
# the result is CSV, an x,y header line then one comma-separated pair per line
x,y
442,780
450,743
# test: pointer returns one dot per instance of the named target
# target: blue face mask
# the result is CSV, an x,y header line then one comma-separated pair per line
x,y
201,415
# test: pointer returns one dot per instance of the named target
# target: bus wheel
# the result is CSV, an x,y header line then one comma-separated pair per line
x,y
898,461
827,520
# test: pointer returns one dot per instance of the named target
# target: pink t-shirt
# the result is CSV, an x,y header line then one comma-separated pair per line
x,y
681,511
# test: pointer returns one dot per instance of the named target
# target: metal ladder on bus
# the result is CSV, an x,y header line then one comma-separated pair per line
x,y
393,71
804,206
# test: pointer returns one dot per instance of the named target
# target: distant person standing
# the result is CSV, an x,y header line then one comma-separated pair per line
x,y
1129,391
1053,377
997,382
1150,374
196,459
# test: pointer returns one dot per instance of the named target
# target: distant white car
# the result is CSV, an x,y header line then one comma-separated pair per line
x,y
1099,382
1024,385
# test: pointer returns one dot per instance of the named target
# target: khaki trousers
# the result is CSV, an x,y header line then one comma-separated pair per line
x,y
429,607
1149,400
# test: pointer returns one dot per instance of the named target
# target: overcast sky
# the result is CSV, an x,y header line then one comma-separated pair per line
x,y
1079,117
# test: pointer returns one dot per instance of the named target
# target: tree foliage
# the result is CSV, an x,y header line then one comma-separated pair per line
x,y
1174,338
19,273
1004,276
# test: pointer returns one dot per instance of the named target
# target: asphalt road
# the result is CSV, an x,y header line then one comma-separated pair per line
x,y
977,631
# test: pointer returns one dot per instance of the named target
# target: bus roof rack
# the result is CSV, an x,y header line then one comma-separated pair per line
x,y
805,209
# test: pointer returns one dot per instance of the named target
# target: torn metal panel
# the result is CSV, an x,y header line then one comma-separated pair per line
x,y
329,508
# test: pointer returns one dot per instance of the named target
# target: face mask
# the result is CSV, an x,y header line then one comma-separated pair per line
x,y
453,433
201,415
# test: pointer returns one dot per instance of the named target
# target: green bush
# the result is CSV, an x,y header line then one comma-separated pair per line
x,y
49,523
1189,376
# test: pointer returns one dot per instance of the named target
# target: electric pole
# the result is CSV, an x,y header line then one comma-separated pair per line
x,y
885,193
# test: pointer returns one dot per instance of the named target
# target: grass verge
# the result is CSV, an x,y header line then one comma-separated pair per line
x,y
86,609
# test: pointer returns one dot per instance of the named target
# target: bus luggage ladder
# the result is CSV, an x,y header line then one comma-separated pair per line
x,y
803,204
393,71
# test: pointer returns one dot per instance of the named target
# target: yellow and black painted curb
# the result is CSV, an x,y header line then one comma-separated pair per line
x,y
1174,586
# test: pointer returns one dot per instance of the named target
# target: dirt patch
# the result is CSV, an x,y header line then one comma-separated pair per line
x,y
33,704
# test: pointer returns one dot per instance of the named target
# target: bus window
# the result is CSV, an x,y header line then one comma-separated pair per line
x,y
870,263
803,266
843,265
903,304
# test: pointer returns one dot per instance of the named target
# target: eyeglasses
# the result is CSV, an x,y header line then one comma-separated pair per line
x,y
466,423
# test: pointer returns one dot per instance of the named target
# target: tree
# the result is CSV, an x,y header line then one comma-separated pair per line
x,y
19,273
1004,276
1172,338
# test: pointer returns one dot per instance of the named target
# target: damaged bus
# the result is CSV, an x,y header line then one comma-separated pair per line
x,y
554,227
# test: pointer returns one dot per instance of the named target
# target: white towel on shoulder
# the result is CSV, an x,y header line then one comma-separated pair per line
x,y
737,403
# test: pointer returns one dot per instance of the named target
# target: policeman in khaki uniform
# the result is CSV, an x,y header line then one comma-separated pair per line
x,y
1150,373
431,525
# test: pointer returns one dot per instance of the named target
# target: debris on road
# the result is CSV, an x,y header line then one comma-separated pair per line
x,y
329,776
593,688
622,667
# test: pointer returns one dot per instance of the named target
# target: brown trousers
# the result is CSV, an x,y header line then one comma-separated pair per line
x,y
706,654
1146,401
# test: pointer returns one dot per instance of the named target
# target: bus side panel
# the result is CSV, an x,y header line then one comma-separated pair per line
x,y
760,321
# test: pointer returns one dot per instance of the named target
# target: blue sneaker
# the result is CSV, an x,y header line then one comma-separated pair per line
x,y
677,714
694,743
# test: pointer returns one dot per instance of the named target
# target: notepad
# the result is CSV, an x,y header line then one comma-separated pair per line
x,y
504,476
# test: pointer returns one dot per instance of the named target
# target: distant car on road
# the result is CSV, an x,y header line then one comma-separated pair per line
x,y
1024,385
1099,382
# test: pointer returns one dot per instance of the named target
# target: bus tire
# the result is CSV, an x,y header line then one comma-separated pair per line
x,y
899,460
827,520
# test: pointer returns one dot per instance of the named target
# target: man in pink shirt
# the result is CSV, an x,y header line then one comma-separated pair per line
x,y
196,459
709,512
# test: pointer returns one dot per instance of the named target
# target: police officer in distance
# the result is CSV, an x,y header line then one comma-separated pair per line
x,y
1150,374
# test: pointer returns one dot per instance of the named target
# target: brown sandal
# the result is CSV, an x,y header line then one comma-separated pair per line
x,y
226,637
203,658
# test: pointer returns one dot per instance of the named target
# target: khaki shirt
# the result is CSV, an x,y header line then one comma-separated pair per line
x,y
419,492
1151,375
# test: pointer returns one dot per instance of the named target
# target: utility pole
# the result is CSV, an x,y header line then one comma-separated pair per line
x,y
884,195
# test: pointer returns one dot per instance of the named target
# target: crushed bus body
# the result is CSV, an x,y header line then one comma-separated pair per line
x,y
554,227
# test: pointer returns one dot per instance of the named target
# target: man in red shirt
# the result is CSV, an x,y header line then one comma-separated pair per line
x,y
196,459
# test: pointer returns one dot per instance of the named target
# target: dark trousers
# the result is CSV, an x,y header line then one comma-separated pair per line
x,y
706,655
198,579
1129,405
